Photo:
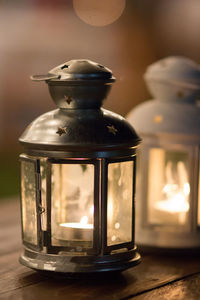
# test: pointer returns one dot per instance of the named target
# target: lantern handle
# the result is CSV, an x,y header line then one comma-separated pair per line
x,y
45,77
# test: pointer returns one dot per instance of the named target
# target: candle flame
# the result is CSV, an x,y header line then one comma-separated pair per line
x,y
82,225
177,199
176,204
84,220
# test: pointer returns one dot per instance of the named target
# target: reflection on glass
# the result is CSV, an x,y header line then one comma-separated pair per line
x,y
43,173
119,204
168,187
72,204
28,190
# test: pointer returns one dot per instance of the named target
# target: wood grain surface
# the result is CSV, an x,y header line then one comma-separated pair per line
x,y
157,277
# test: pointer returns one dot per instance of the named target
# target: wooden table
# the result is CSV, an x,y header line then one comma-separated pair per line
x,y
157,277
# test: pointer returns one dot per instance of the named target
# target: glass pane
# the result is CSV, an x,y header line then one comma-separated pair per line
x,y
28,195
72,204
43,172
168,187
119,203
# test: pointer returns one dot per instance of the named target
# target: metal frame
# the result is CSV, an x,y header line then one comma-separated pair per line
x,y
100,246
50,152
196,184
36,163
95,249
99,258
129,245
145,170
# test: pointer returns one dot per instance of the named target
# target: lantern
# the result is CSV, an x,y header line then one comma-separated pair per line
x,y
78,177
168,191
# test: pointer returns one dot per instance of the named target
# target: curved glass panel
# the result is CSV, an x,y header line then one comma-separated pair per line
x,y
28,197
119,202
72,213
168,187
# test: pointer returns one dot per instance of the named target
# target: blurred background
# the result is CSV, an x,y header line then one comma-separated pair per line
x,y
124,35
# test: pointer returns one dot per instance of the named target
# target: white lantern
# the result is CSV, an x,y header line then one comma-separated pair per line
x,y
168,191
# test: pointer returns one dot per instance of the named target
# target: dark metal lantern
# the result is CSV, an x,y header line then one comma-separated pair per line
x,y
78,177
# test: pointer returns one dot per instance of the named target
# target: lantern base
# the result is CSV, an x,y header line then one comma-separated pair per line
x,y
70,265
169,251
170,241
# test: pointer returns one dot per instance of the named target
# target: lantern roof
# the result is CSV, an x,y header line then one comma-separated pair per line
x,y
175,84
175,70
174,78
78,88
77,129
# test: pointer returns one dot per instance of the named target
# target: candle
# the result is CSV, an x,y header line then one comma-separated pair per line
x,y
82,225
177,201
76,230
176,194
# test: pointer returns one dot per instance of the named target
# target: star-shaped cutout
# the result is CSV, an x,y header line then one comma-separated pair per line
x,y
112,129
61,130
68,99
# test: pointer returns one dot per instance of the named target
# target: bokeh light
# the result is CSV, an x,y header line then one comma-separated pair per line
x,y
99,12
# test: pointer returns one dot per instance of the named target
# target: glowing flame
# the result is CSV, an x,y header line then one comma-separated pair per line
x,y
177,199
84,220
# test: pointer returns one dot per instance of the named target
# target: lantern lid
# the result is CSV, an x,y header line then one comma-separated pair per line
x,y
77,70
175,70
78,84
78,88
174,78
175,84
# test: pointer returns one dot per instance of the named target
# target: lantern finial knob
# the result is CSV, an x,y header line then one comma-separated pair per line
x,y
174,78
79,83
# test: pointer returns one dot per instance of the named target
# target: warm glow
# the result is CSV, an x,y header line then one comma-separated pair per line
x,y
110,210
117,225
168,187
84,220
176,204
99,12
82,225
92,209
176,191
177,199
77,225
113,238
186,189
